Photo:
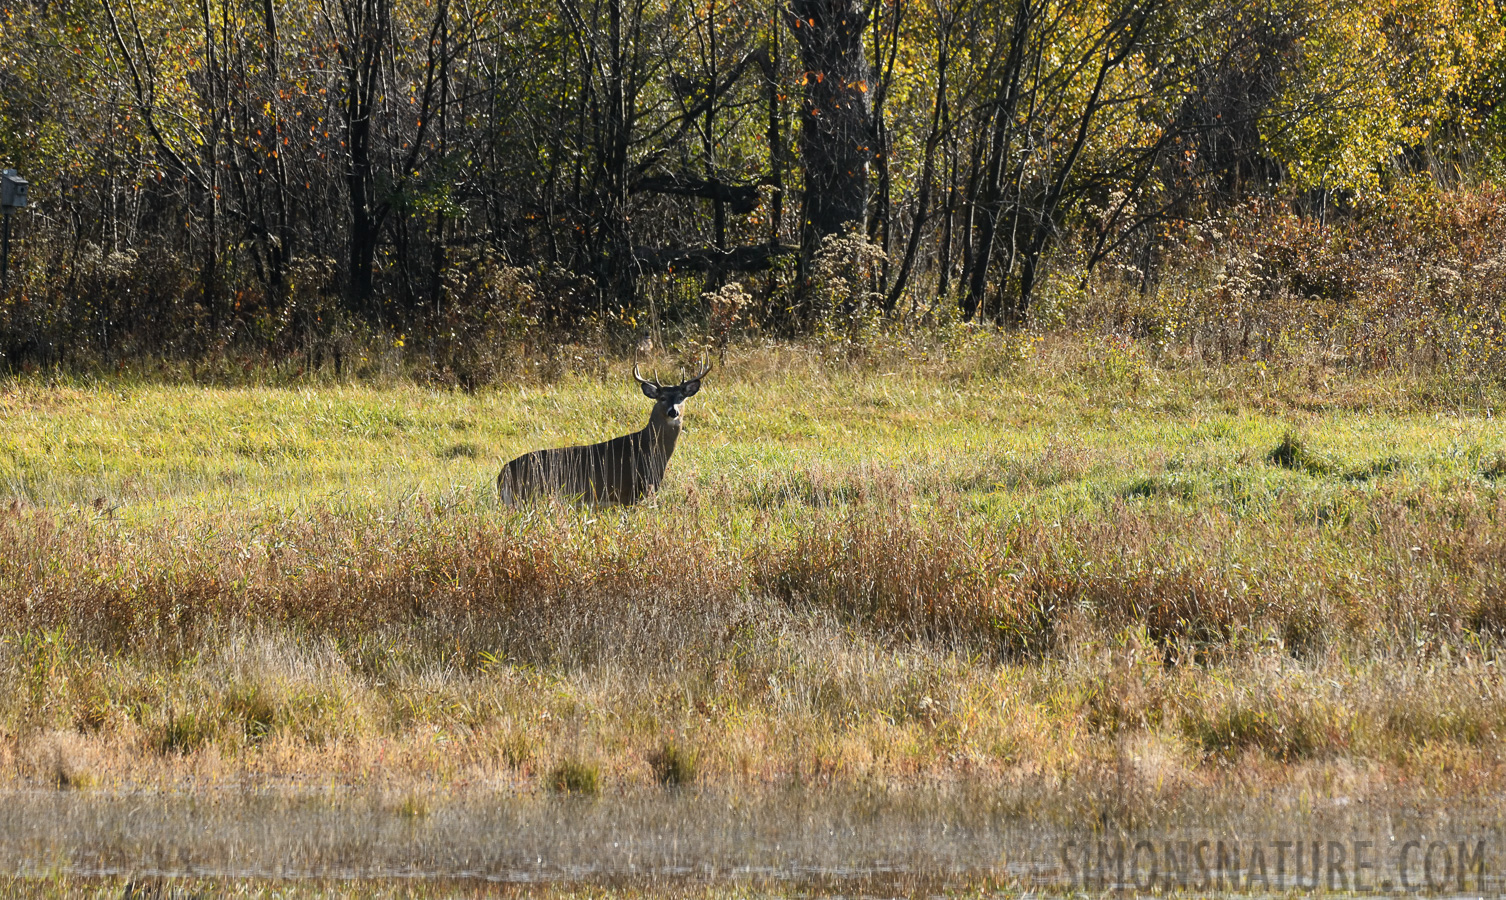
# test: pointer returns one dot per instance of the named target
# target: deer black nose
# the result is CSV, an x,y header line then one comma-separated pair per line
x,y
674,412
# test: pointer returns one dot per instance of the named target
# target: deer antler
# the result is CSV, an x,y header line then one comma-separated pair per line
x,y
705,368
655,383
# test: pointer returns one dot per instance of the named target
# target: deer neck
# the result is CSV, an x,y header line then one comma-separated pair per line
x,y
662,432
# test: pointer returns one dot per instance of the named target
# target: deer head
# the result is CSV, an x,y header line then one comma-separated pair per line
x,y
669,399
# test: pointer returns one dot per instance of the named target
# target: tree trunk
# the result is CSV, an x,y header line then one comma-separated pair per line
x,y
923,201
367,26
1002,143
837,136
776,140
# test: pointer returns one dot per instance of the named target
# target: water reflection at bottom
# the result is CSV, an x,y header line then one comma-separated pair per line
x,y
929,837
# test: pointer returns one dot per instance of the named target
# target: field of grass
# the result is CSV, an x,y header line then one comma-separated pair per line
x,y
1045,561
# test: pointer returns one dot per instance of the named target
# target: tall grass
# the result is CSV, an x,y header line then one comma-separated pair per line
x,y
895,569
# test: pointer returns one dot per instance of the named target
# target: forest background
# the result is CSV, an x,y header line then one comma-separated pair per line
x,y
472,185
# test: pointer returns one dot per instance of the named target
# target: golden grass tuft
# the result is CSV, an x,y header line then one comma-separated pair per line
x,y
61,759
572,775
674,764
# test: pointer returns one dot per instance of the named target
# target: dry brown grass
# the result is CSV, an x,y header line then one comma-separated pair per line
x,y
1067,573
542,589
869,644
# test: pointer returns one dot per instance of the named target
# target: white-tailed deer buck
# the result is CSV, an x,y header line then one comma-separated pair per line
x,y
622,470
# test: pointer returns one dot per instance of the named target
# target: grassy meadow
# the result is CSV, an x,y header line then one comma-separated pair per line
x,y
1027,560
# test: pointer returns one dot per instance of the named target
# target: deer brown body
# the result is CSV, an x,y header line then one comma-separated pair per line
x,y
622,470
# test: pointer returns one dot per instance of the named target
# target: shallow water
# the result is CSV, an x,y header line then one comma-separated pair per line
x,y
861,841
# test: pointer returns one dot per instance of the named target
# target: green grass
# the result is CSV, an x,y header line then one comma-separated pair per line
x,y
984,561
786,435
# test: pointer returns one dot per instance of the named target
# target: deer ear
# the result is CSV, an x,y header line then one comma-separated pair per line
x,y
690,387
649,390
